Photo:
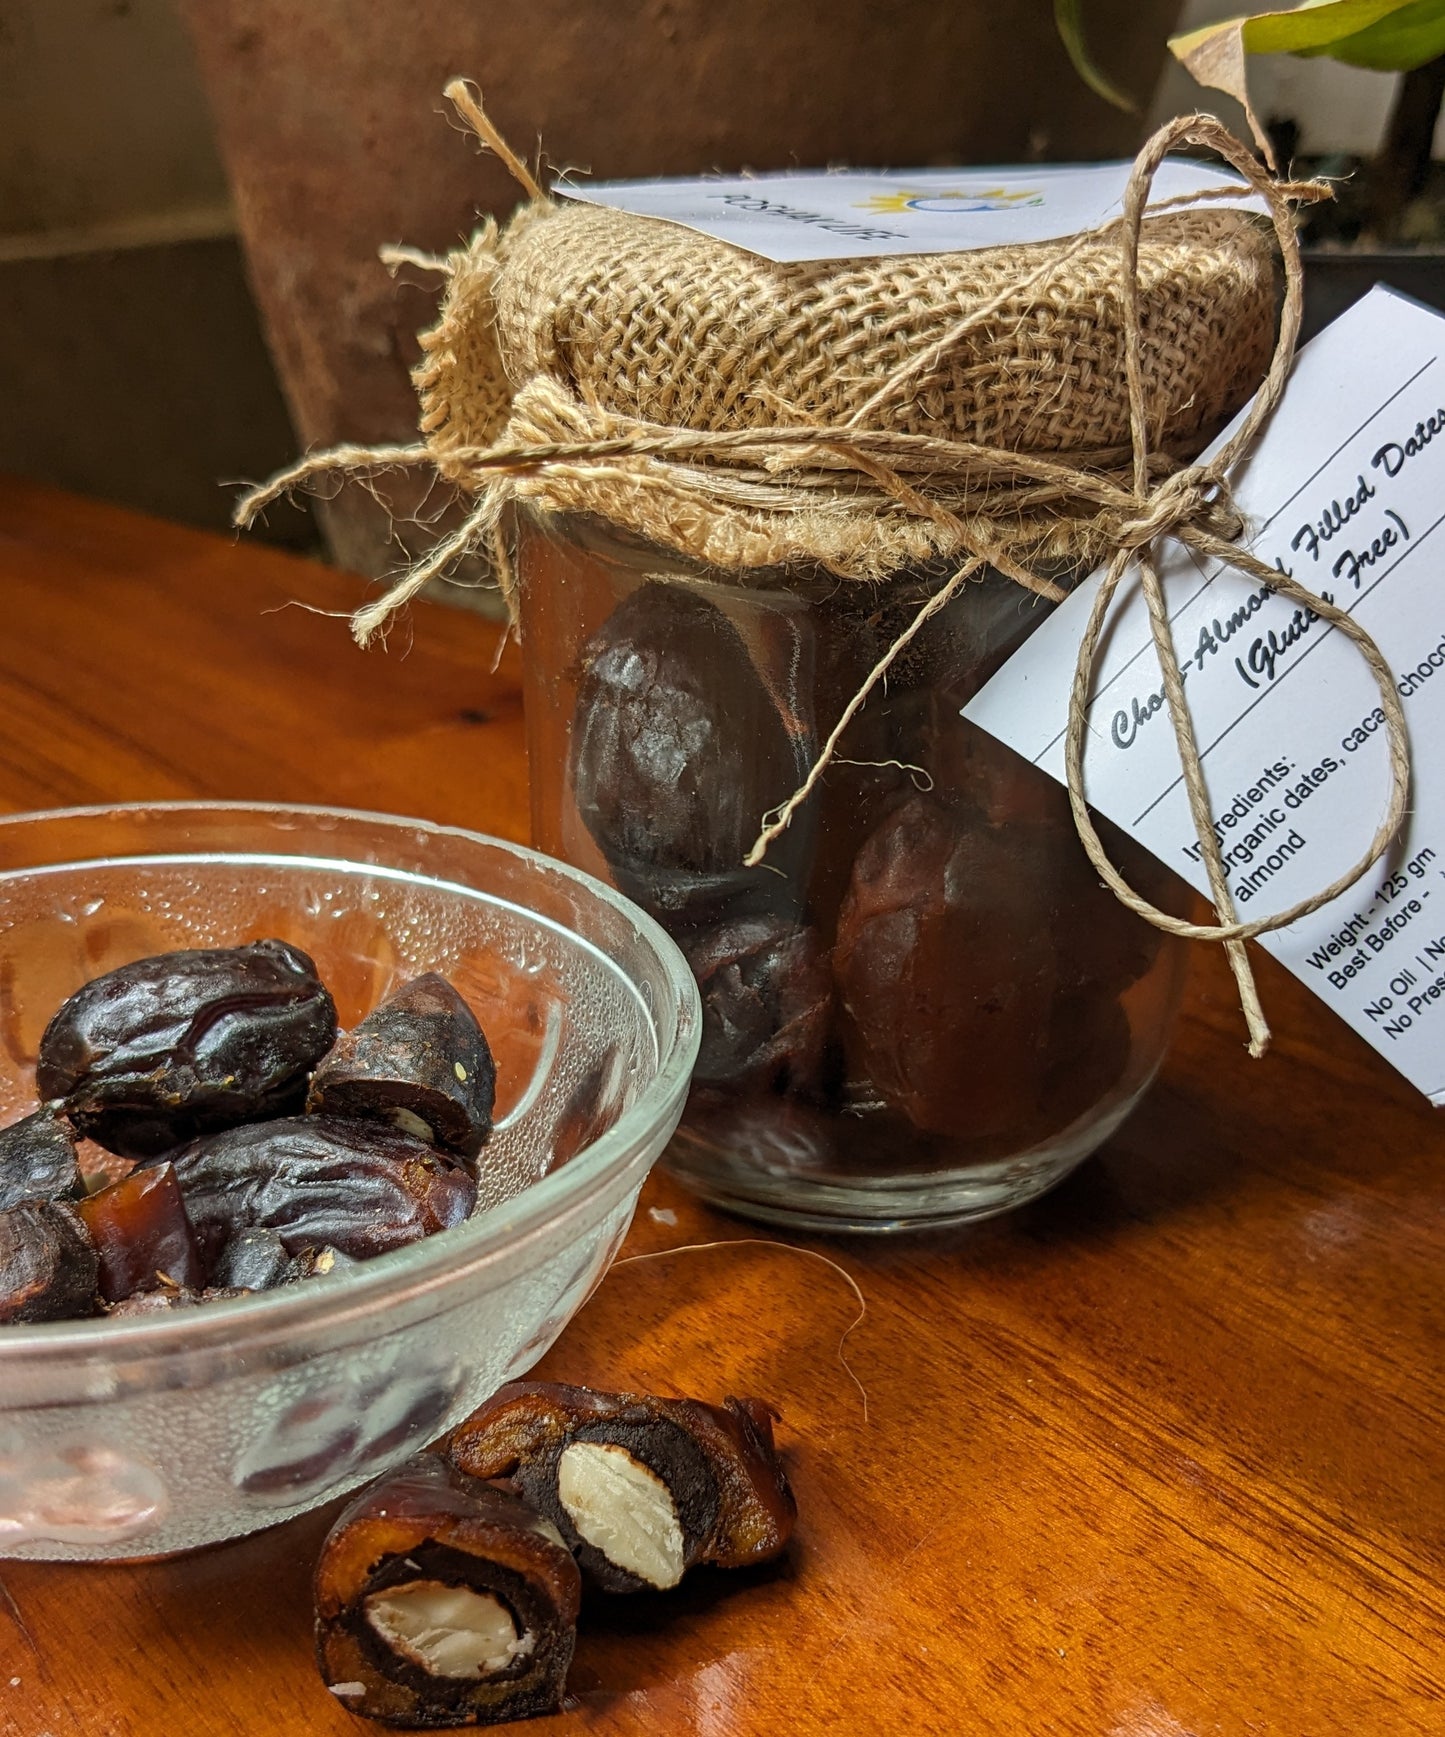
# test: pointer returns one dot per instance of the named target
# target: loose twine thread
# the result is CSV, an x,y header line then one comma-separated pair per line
x,y
1003,509
791,1250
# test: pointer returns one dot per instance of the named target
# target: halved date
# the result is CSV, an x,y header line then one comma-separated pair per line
x,y
182,1044
418,1062
360,1188
641,1488
47,1263
443,1601
142,1235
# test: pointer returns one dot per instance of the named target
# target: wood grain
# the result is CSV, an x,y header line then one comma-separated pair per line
x,y
1159,1456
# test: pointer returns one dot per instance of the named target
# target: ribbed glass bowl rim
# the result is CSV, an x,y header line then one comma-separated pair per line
x,y
434,1263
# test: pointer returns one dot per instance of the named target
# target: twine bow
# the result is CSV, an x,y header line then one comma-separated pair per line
x,y
1002,509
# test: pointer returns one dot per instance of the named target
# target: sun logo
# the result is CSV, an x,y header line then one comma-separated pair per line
x,y
952,201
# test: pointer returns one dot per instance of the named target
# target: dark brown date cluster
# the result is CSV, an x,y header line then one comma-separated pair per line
x,y
263,1148
448,1593
927,946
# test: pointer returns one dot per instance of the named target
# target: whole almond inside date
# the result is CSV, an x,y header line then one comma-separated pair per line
x,y
642,1488
182,1044
443,1601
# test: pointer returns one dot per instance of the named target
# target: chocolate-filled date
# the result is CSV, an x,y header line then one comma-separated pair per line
x,y
767,997
47,1263
444,1601
641,1488
1101,943
143,1238
418,1062
37,1160
946,972
678,751
182,1044
318,1181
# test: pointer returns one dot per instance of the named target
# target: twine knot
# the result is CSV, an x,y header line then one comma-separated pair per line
x,y
1195,496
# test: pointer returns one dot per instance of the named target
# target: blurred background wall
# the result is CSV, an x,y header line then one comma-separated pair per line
x,y
192,191
132,363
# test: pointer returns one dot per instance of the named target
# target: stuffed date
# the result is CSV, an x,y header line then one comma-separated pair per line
x,y
767,998
642,1488
444,1601
678,749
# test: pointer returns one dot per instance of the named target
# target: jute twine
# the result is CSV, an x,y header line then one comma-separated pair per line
x,y
879,474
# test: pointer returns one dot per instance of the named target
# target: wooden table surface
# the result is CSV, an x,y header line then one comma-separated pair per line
x,y
1158,1456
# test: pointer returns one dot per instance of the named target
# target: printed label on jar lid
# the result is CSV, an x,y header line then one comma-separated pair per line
x,y
876,213
1346,491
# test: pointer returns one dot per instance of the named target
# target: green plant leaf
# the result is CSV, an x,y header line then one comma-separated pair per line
x,y
1388,35
1404,39
1067,16
1394,35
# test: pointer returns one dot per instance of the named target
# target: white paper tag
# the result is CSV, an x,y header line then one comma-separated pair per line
x,y
869,214
1346,491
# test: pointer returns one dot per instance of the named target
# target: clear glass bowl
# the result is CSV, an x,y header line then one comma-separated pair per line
x,y
145,1437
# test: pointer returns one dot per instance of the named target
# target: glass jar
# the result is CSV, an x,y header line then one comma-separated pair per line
x,y
923,1006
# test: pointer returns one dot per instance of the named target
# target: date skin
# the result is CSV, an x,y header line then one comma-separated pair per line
x,y
767,997
47,1264
418,1062
143,1238
37,1160
165,1049
360,1188
946,971
427,1524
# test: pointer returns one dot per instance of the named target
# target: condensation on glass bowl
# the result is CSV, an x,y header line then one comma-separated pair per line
x,y
166,1433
